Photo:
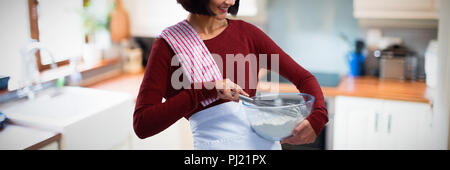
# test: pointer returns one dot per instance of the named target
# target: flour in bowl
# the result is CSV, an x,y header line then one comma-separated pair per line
x,y
276,126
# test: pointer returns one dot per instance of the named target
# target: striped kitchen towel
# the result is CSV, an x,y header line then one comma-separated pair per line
x,y
196,60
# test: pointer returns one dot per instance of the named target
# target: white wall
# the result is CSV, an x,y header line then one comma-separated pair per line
x,y
14,35
442,101
149,17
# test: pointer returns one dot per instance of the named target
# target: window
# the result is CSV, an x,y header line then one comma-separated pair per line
x,y
58,25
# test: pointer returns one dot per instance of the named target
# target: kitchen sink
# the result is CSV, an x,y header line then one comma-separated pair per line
x,y
86,118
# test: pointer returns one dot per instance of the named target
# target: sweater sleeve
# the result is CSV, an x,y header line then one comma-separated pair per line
x,y
151,115
291,70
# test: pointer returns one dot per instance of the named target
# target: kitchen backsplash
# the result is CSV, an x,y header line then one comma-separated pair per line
x,y
312,31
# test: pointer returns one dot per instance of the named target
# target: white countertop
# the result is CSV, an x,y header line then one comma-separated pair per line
x,y
14,137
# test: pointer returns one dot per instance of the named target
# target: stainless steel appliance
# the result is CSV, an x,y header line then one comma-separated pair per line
x,y
397,62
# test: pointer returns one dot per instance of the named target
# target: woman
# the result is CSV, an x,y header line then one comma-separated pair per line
x,y
219,124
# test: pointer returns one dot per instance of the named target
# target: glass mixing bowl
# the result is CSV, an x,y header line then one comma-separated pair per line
x,y
279,114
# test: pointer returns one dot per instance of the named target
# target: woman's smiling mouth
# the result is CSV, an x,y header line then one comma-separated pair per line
x,y
223,10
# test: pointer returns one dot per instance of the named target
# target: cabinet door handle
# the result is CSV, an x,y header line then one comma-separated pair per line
x,y
376,121
389,123
430,118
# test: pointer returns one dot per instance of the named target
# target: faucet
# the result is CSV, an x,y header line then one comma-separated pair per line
x,y
31,72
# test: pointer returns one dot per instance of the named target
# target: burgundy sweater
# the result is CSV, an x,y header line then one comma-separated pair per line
x,y
152,116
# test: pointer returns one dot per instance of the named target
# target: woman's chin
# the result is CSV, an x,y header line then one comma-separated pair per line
x,y
221,17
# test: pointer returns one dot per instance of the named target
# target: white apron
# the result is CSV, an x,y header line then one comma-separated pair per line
x,y
221,127
226,127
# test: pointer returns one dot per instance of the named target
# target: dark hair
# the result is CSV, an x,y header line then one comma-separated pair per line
x,y
202,7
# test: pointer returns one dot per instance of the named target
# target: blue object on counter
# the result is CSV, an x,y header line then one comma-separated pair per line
x,y
356,60
3,120
4,82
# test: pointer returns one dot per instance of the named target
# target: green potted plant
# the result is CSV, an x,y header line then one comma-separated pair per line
x,y
96,31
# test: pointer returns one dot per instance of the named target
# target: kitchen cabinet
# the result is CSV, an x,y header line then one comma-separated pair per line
x,y
408,125
369,123
396,9
354,119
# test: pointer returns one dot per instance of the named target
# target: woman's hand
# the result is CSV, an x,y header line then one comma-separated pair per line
x,y
225,89
303,134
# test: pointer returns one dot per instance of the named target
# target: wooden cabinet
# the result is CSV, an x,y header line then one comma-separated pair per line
x,y
396,9
368,123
